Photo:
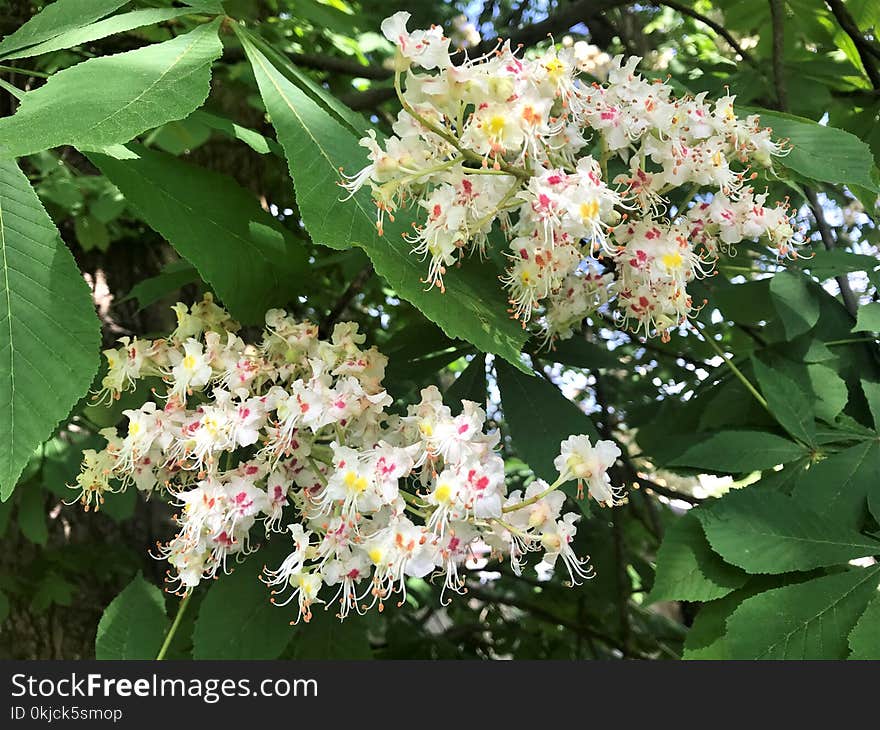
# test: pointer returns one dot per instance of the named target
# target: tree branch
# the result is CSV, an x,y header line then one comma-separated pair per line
x,y
581,11
866,50
336,64
846,292
348,295
717,27
777,13
551,618
369,99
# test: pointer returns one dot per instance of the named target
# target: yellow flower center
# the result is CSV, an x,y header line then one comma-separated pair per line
x,y
354,483
555,68
189,362
495,125
589,210
375,555
134,428
672,260
443,493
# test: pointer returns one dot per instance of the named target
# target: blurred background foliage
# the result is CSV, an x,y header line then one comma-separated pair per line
x,y
60,568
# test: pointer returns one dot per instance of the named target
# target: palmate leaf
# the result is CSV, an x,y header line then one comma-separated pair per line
x,y
246,255
317,146
688,570
809,620
55,19
236,619
868,318
470,384
108,100
822,152
326,637
173,276
49,334
797,307
706,638
740,451
864,639
767,532
787,402
134,624
839,486
101,29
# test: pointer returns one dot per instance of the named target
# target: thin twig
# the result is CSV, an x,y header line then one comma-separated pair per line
x,y
717,27
777,18
354,288
868,53
776,13
846,292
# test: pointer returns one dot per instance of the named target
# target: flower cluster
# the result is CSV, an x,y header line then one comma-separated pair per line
x,y
578,175
293,432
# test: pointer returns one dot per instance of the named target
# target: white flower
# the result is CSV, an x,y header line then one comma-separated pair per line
x,y
427,48
580,460
190,370
305,436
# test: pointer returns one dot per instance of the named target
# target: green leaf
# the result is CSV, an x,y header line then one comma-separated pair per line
x,y
5,514
13,90
469,385
134,624
872,395
339,111
4,607
579,353
830,391
179,137
864,639
56,18
787,402
688,570
822,152
317,146
52,589
326,637
175,275
32,515
91,233
837,487
706,638
808,620
527,401
797,307
236,619
736,452
256,141
768,532
111,99
108,205
101,29
868,318
825,264
49,334
250,260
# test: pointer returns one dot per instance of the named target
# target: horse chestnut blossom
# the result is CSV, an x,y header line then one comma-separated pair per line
x,y
289,438
579,176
